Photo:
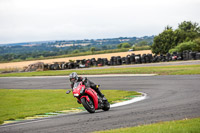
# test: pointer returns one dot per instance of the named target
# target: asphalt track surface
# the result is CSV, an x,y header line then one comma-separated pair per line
x,y
169,98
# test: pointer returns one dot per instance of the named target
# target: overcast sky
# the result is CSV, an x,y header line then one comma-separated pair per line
x,y
41,20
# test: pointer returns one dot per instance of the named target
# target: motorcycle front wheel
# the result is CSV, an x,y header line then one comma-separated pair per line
x,y
89,106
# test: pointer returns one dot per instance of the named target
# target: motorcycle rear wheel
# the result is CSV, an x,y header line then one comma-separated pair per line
x,y
106,106
89,106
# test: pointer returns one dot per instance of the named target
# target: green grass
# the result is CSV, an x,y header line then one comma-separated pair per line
x,y
21,103
160,70
180,126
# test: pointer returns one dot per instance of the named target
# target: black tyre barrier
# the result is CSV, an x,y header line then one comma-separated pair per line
x,y
198,56
129,59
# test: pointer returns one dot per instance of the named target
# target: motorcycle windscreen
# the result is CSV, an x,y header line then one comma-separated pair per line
x,y
76,88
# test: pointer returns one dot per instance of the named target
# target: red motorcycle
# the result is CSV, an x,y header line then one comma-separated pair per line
x,y
89,98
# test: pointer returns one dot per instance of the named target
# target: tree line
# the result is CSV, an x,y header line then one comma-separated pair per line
x,y
185,37
48,50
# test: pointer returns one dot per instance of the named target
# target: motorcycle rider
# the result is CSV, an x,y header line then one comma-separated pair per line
x,y
73,77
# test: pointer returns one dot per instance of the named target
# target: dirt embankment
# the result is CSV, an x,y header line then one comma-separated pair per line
x,y
108,56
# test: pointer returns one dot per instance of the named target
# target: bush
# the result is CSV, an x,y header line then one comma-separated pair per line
x,y
138,48
185,46
173,50
123,45
197,45
190,45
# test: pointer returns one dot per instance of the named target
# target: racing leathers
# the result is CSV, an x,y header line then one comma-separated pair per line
x,y
88,84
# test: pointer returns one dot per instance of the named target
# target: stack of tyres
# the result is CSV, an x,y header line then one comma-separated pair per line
x,y
179,56
192,55
168,57
115,60
132,58
112,61
162,58
155,58
174,56
71,65
46,66
78,62
93,62
54,66
198,56
128,61
138,59
143,58
185,55
88,63
50,67
123,60
83,61
149,58
63,66
99,62
119,60
104,61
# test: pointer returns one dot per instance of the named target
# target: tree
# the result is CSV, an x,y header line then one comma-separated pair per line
x,y
119,46
190,45
126,45
164,42
142,43
197,45
183,46
169,39
76,51
187,31
188,26
92,49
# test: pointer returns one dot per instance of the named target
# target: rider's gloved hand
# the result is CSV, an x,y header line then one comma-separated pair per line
x,y
97,86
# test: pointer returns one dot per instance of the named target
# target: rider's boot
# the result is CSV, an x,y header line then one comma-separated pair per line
x,y
100,94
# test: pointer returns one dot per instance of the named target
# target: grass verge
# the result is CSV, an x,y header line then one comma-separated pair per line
x,y
160,70
21,103
180,126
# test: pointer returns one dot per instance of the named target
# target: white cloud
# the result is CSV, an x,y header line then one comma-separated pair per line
x,y
35,20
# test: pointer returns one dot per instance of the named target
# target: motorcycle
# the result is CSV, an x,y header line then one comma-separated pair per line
x,y
88,97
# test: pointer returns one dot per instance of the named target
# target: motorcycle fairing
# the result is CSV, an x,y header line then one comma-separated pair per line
x,y
94,96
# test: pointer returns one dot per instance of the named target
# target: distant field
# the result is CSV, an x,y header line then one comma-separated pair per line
x,y
26,63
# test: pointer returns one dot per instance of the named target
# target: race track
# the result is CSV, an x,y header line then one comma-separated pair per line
x,y
169,98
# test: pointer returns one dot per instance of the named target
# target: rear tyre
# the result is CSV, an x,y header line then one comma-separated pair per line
x,y
89,106
106,106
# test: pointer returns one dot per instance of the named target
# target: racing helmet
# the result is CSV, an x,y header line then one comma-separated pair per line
x,y
73,77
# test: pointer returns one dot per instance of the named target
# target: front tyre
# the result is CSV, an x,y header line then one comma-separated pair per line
x,y
89,106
